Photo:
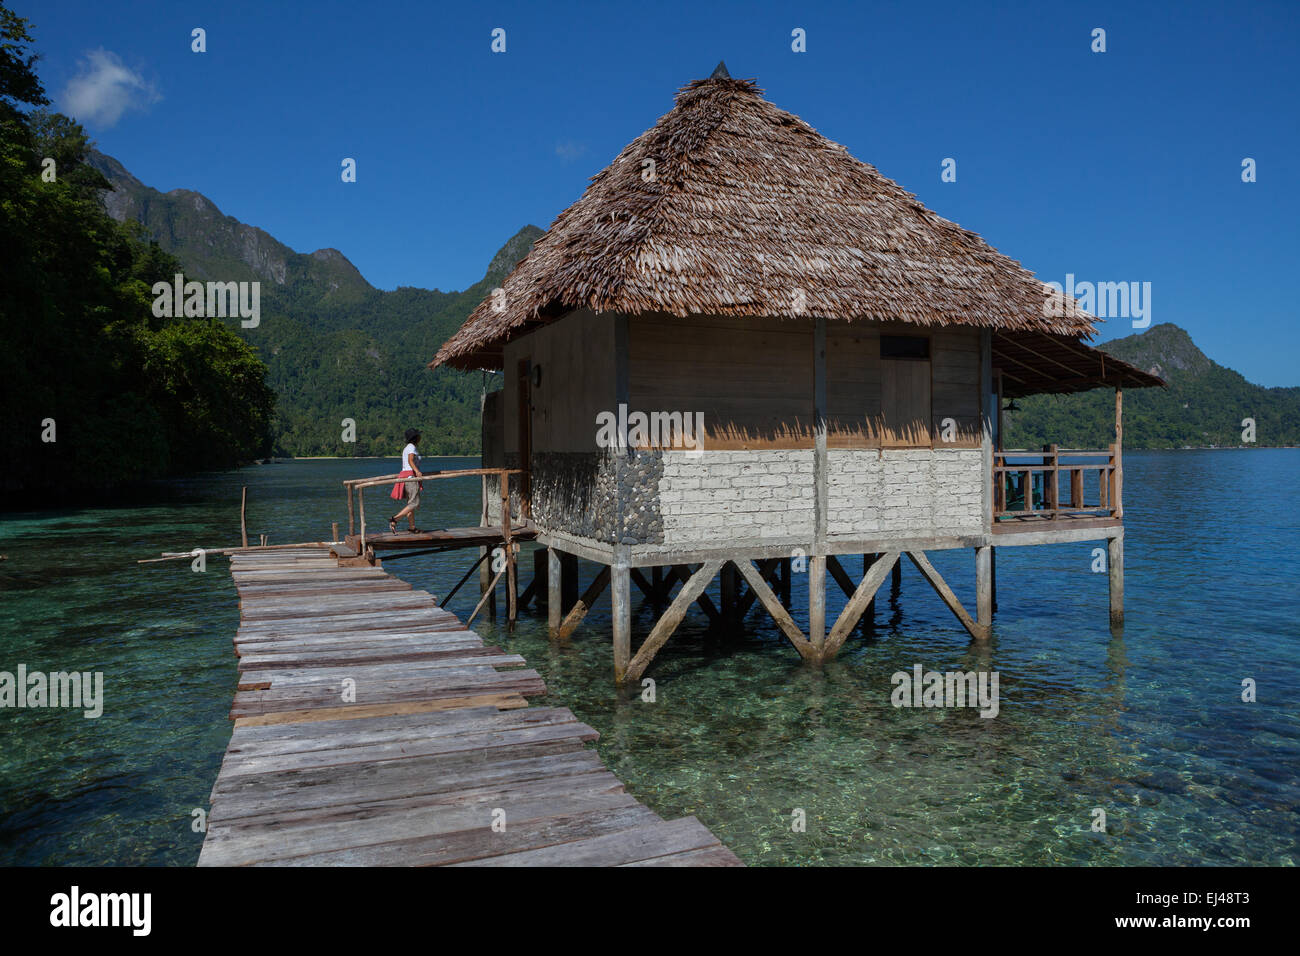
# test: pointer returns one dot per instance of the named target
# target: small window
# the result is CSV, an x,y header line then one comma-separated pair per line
x,y
904,347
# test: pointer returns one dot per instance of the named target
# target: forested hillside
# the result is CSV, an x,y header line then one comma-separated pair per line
x,y
97,390
336,347
1204,404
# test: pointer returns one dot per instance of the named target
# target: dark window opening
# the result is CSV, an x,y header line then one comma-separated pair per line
x,y
904,347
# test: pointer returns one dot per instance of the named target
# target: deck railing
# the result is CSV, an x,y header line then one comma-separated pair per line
x,y
1028,484
359,486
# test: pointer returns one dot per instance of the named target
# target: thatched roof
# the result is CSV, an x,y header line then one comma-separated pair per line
x,y
749,211
1036,363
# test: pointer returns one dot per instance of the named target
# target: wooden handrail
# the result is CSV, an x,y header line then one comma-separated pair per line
x,y
459,473
1050,464
359,485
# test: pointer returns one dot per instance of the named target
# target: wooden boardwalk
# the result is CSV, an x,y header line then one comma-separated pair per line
x,y
437,743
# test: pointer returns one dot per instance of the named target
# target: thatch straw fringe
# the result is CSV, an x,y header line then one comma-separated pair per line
x,y
751,212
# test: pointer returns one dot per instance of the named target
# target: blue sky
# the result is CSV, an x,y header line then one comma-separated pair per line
x,y
1115,166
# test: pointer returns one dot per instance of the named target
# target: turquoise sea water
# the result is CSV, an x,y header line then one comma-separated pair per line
x,y
1149,727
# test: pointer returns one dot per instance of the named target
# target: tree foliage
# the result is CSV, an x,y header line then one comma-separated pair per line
x,y
130,395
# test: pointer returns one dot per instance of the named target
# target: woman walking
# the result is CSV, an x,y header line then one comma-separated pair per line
x,y
408,490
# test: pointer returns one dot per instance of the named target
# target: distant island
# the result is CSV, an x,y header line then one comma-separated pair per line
x,y
338,348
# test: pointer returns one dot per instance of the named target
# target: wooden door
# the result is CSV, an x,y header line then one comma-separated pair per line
x,y
905,403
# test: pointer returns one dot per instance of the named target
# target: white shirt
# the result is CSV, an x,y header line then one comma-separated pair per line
x,y
409,453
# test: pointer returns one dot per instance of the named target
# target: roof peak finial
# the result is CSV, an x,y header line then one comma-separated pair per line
x,y
720,72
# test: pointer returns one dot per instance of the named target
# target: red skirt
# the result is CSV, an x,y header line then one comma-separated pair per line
x,y
399,487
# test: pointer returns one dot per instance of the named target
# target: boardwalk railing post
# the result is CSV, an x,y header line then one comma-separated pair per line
x,y
361,504
511,596
243,516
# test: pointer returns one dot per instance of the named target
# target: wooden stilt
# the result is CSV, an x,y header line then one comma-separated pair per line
x,y
553,575
769,570
858,602
787,565
682,572
672,617
538,584
485,583
622,614
243,516
568,581
1115,566
817,601
768,599
923,565
583,604
481,601
657,582
727,594
984,588
993,575
512,581
869,615
896,583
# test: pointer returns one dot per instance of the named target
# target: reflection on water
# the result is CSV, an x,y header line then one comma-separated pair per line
x,y
1148,727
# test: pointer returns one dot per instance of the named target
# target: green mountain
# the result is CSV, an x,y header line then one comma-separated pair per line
x,y
337,348
1204,404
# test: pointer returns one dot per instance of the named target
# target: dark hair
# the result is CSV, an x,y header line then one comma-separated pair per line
x,y
412,435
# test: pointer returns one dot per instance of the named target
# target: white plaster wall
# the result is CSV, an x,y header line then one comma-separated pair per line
x,y
904,492
717,497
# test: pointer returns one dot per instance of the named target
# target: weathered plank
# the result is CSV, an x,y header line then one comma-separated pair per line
x,y
432,744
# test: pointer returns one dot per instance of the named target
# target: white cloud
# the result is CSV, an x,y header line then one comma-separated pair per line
x,y
105,88
570,151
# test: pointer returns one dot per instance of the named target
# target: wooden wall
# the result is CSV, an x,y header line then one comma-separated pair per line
x,y
752,378
863,393
576,356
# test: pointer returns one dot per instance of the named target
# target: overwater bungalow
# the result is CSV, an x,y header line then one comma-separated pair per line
x,y
743,351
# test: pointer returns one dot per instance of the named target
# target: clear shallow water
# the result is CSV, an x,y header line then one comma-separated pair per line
x,y
1149,727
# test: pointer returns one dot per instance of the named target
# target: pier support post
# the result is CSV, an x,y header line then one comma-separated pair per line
x,y
727,595
817,601
869,615
896,582
553,575
485,583
620,582
1115,565
993,574
984,589
568,581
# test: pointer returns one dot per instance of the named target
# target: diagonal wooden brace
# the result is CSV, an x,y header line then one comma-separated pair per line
x,y
858,602
579,611
774,607
977,631
672,617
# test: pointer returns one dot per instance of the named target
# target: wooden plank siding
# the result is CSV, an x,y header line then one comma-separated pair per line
x,y
752,378
438,745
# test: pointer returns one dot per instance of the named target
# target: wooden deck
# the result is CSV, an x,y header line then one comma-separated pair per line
x,y
438,744
439,539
